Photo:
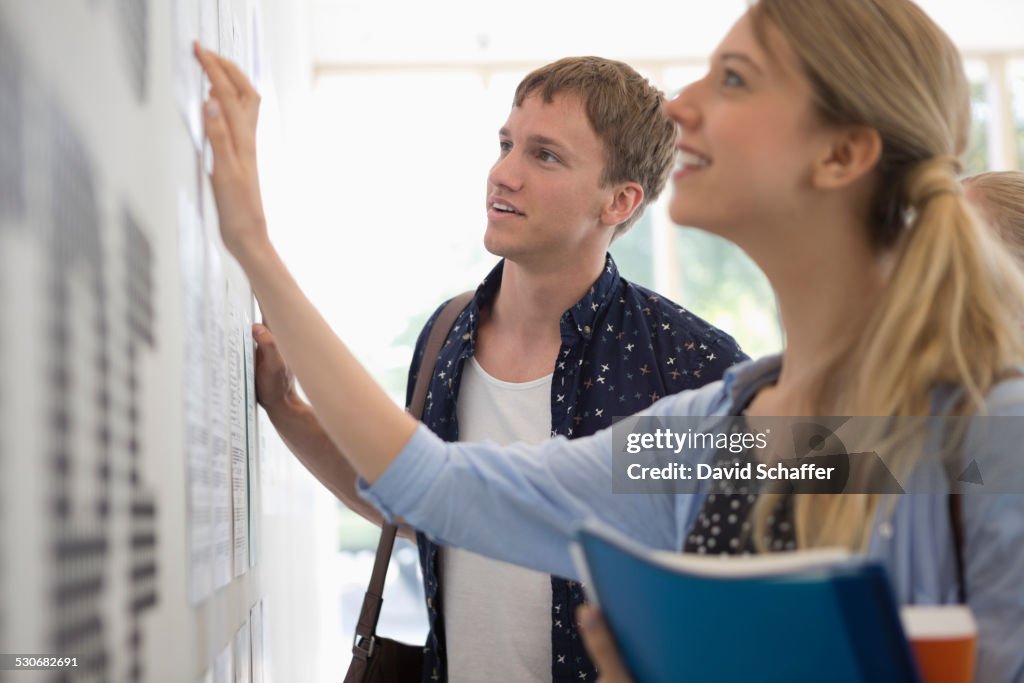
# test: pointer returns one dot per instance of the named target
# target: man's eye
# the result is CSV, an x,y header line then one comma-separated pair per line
x,y
545,155
505,145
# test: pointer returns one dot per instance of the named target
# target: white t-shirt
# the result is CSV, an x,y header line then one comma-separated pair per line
x,y
497,616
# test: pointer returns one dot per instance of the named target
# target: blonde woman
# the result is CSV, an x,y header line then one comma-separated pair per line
x,y
999,197
832,162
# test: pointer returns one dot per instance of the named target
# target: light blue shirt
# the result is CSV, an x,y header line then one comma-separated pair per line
x,y
522,504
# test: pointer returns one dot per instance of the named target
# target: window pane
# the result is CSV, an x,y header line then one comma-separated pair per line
x,y
976,160
721,284
633,252
1016,74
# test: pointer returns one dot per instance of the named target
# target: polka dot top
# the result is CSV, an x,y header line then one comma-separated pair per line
x,y
723,525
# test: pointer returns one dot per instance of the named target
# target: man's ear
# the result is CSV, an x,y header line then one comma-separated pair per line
x,y
625,200
852,153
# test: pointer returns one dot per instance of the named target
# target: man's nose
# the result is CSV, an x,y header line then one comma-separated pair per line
x,y
507,171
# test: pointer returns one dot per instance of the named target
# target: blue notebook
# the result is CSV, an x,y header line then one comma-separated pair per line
x,y
809,616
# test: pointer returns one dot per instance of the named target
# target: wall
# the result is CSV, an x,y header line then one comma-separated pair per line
x,y
150,527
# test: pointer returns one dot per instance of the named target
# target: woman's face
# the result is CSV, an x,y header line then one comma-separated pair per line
x,y
748,139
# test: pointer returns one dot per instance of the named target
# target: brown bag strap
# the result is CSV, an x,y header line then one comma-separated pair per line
x,y
364,641
953,500
363,644
432,349
956,521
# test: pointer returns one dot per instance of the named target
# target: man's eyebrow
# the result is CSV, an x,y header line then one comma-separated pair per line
x,y
536,139
544,140
741,57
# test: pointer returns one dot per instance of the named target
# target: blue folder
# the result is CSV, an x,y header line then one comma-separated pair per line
x,y
835,622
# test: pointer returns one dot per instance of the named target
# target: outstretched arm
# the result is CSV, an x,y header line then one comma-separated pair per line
x,y
458,493
360,419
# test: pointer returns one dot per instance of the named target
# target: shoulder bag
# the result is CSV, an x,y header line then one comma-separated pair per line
x,y
384,660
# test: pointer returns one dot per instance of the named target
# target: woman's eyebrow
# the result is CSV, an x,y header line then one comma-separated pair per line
x,y
725,56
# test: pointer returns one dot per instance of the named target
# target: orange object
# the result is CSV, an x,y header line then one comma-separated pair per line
x,y
944,639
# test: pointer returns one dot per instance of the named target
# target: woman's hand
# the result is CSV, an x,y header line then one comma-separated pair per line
x,y
230,116
601,646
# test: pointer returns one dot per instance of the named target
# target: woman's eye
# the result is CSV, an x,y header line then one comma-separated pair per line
x,y
732,79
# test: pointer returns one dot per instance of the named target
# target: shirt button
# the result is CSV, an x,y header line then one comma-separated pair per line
x,y
885,530
586,329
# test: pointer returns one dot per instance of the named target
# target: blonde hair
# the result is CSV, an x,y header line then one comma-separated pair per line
x,y
946,315
999,198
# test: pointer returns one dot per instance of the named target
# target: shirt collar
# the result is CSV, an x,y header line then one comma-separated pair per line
x,y
488,288
743,380
579,318
584,312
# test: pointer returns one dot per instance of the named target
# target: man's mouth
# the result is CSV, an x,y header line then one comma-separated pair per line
x,y
502,207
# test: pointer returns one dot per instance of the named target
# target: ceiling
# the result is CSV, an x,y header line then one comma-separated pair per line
x,y
351,34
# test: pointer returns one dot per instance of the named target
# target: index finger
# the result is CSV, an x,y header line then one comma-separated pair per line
x,y
208,60
237,77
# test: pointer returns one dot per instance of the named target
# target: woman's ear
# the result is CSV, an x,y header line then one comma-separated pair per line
x,y
852,153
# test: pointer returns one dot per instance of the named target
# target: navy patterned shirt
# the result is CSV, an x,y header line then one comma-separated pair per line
x,y
623,348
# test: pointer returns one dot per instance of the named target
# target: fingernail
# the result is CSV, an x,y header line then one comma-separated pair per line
x,y
212,109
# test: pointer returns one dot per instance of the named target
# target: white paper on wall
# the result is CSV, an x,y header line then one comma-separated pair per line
x,y
256,640
255,60
224,18
196,426
188,80
223,666
237,434
217,409
209,36
252,445
243,655
237,50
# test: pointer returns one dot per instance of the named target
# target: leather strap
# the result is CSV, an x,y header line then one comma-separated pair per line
x,y
435,341
957,523
364,643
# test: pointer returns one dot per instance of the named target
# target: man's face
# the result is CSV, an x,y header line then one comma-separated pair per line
x,y
544,194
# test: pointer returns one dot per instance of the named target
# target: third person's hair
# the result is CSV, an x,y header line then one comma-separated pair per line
x,y
999,198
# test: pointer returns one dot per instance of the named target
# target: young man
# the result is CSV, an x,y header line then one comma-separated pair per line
x,y
554,342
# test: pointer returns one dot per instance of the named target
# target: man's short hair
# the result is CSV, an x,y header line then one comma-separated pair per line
x,y
624,109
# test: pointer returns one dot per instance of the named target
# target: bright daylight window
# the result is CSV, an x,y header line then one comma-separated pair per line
x,y
1016,73
396,214
976,159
